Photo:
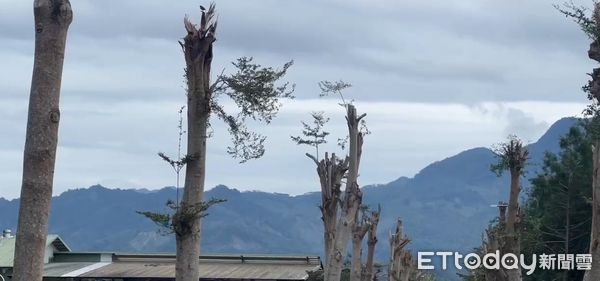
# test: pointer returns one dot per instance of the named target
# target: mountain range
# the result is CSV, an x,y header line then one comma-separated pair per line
x,y
445,206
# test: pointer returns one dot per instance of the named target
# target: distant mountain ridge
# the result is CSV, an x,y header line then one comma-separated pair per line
x,y
445,207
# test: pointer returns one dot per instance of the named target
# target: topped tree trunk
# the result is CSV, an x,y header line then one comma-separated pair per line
x,y
330,170
197,47
512,156
351,200
257,95
368,273
52,20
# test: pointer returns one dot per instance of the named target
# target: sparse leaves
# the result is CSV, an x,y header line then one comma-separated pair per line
x,y
313,134
579,14
335,88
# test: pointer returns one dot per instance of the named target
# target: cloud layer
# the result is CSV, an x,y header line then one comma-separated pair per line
x,y
435,78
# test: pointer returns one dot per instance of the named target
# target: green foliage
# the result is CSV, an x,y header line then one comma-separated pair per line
x,y
335,88
511,155
313,135
558,203
184,214
318,275
254,90
588,23
579,15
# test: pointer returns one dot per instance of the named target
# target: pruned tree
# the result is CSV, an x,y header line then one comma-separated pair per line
x,y
255,92
331,170
366,223
397,269
512,156
351,200
52,21
590,25
369,270
340,210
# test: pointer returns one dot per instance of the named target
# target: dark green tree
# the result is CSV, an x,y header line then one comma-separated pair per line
x,y
558,211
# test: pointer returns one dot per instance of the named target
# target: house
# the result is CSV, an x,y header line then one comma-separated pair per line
x,y
64,264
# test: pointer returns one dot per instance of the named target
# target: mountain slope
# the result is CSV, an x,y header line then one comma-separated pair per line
x,y
445,207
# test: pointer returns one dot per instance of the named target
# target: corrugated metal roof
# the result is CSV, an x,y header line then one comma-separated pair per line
x,y
217,269
59,269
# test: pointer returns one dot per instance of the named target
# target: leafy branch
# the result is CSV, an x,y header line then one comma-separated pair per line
x,y
254,90
186,215
313,135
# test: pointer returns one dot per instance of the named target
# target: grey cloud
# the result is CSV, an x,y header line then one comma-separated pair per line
x,y
465,51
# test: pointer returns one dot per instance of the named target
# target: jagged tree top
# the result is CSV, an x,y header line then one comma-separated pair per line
x,y
255,90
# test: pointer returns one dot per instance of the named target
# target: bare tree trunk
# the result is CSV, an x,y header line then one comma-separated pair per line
x,y
407,268
330,172
491,245
197,48
358,235
369,272
356,266
594,273
351,201
397,243
512,241
52,20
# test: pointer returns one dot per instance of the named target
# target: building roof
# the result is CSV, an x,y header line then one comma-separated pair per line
x,y
7,248
108,265
163,266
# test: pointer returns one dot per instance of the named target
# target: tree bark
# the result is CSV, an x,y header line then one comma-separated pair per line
x,y
593,53
356,263
358,235
330,170
512,241
197,48
398,241
351,201
490,244
52,20
594,273
369,272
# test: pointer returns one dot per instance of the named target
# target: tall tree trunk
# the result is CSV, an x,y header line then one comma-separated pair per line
x,y
197,48
594,273
512,241
52,20
351,201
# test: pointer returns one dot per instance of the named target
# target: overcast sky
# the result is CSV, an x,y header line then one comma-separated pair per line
x,y
434,77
